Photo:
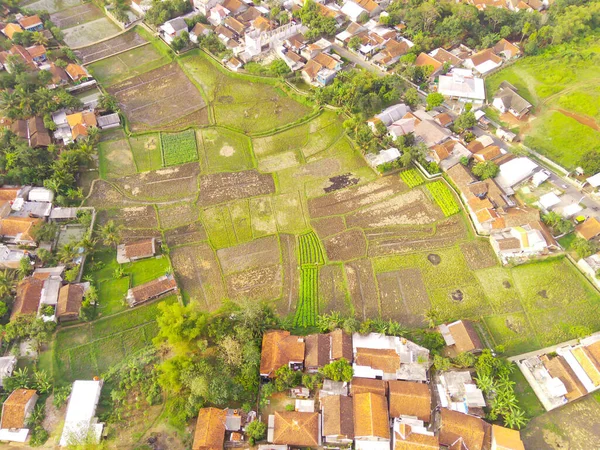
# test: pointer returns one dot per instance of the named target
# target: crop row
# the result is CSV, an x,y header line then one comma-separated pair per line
x,y
443,197
310,249
179,148
412,178
307,308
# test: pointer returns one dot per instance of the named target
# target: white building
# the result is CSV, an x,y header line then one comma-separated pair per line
x,y
173,29
383,157
462,85
515,172
80,421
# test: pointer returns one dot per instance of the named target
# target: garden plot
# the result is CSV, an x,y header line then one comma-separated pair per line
x,y
185,235
140,216
176,215
226,186
239,101
116,159
328,226
403,296
348,200
50,6
479,254
262,216
333,294
346,246
197,271
137,234
179,148
513,331
290,275
260,252
363,290
146,152
259,283
90,32
110,47
224,150
172,183
76,15
410,208
158,97
105,195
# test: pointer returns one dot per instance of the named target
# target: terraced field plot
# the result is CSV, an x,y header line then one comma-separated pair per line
x,y
107,48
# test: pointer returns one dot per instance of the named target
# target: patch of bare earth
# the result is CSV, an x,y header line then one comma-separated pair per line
x,y
226,186
104,195
187,234
361,283
258,283
259,252
164,184
328,226
332,291
403,296
142,216
346,246
177,215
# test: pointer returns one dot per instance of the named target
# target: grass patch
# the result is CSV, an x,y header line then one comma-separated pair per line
x,y
179,148
525,395
146,152
224,150
115,159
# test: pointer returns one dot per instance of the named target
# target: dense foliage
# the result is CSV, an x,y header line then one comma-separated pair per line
x,y
161,11
318,24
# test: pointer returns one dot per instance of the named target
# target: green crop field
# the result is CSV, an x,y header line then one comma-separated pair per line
x,y
146,151
412,178
179,148
307,308
224,150
310,249
444,198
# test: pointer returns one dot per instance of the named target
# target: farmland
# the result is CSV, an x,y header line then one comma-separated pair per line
x,y
444,198
412,178
179,148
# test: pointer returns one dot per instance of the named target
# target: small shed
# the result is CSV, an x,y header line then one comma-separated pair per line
x,y
549,200
40,194
109,121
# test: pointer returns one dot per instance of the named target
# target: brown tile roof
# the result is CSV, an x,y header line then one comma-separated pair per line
x,y
518,216
326,61
70,298
407,440
221,30
444,119
393,48
559,368
338,419
478,204
279,348
488,153
76,72
440,151
36,50
485,55
13,410
425,60
461,177
30,21
317,347
153,289
29,294
444,56
371,416
210,429
511,243
455,426
504,46
507,439
341,345
465,336
249,15
234,24
13,226
140,249
298,429
233,5
485,215
408,398
588,229
363,385
369,5
379,359
475,146
9,193
262,23
312,69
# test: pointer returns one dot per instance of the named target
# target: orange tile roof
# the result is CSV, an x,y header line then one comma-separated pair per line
x,y
507,439
363,385
210,429
36,50
298,429
9,193
279,348
408,398
485,215
76,72
13,410
140,249
485,55
70,298
371,416
86,118
588,229
478,204
29,295
503,45
488,153
11,29
13,226
457,426
559,368
338,419
341,345
408,440
79,130
379,359
425,60
465,336
30,21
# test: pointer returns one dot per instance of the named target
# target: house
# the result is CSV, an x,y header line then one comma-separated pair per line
x,y
322,69
317,350
483,62
40,194
31,23
218,14
371,422
234,64
69,303
388,116
408,398
172,29
462,85
33,131
10,30
10,257
15,412
391,52
411,434
297,429
458,430
204,6
80,422
488,153
460,337
17,230
383,157
59,75
362,385
444,56
235,6
354,11
331,387
80,123
506,50
37,53
77,73
29,295
351,30
7,365
506,439
293,60
507,100
427,130
589,229
134,251
457,391
151,290
109,121
515,172
280,348
338,420
210,429
199,31
424,60
444,119
530,239
311,50
389,358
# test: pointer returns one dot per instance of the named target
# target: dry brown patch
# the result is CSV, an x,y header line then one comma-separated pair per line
x,y
346,246
140,216
403,296
187,234
164,184
332,289
361,283
259,252
226,186
328,226
177,214
258,283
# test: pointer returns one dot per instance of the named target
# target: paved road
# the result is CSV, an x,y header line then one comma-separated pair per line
x,y
358,61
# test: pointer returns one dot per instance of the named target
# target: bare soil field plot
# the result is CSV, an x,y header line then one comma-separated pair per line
x,y
328,226
262,216
176,215
167,184
260,252
287,303
158,97
76,15
143,216
197,271
90,32
333,295
51,6
110,47
363,290
409,208
105,195
479,254
348,200
116,159
187,234
346,246
289,213
222,187
259,283
136,234
403,296
222,149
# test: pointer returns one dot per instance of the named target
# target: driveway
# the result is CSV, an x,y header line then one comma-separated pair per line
x,y
358,61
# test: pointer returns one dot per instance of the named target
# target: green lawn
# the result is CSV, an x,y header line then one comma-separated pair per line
x,y
115,159
146,151
224,150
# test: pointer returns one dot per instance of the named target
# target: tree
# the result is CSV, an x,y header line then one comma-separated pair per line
x,y
583,247
256,431
7,282
25,267
434,100
411,97
231,351
485,170
286,378
67,253
433,317
279,68
340,370
590,162
354,43
465,121
180,327
110,234
44,231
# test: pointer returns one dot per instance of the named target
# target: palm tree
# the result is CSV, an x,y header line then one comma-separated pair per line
x,y
7,283
485,383
88,243
432,316
67,253
515,418
111,234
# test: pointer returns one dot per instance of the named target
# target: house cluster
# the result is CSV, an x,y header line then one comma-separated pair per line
x,y
80,422
390,402
511,5
565,374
